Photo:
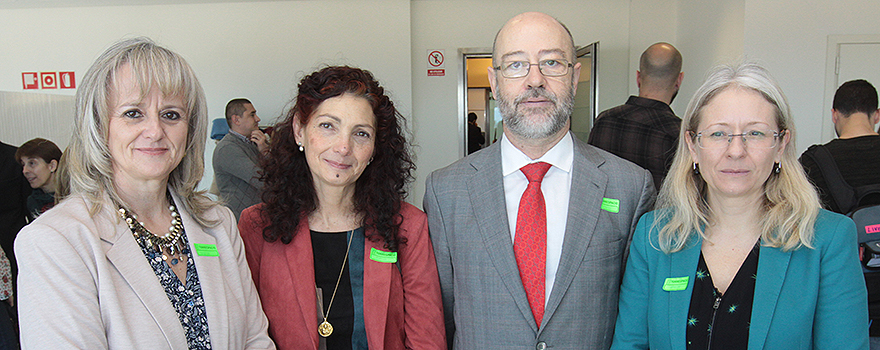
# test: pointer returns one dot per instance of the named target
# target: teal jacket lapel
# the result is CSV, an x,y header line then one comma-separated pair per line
x,y
772,267
681,264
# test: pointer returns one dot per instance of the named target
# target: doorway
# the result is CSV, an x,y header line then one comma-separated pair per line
x,y
476,96
849,57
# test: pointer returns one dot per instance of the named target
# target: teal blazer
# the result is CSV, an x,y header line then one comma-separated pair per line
x,y
804,299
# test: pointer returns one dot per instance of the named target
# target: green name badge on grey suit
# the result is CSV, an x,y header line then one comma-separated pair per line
x,y
611,205
674,284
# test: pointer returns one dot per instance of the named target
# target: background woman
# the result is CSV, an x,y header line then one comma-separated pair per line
x,y
104,268
333,217
39,160
738,254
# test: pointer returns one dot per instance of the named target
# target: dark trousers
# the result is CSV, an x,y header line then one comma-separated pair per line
x,y
8,327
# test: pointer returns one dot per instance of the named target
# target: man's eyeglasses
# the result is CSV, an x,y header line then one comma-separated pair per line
x,y
519,69
709,139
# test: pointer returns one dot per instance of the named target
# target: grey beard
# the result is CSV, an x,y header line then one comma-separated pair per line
x,y
521,125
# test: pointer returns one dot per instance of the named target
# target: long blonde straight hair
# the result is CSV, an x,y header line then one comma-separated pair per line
x,y
790,201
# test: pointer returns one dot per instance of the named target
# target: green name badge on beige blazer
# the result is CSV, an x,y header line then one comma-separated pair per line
x,y
383,256
206,249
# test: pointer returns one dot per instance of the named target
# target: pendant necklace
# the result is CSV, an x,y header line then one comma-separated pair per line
x,y
325,329
170,242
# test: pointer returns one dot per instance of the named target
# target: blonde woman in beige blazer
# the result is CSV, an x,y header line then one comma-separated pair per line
x,y
134,257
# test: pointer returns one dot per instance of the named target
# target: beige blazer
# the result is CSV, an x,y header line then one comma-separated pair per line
x,y
85,284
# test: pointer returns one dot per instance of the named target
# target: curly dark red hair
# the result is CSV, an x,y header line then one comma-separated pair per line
x,y
289,192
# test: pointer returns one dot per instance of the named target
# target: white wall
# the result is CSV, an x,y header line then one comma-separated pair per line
x,y
790,37
258,50
709,33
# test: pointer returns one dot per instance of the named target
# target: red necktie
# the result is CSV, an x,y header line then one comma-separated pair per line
x,y
530,242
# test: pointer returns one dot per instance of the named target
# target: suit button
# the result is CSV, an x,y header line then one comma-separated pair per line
x,y
541,346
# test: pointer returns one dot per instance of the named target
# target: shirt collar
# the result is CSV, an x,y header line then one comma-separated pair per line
x,y
245,139
560,156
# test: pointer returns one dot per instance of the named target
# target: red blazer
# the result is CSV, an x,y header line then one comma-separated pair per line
x,y
402,309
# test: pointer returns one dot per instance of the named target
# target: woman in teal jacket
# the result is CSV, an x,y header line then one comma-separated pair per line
x,y
738,254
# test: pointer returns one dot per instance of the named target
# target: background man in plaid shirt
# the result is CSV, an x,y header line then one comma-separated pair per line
x,y
645,130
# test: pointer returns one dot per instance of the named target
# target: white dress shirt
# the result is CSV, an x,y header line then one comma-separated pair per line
x,y
556,188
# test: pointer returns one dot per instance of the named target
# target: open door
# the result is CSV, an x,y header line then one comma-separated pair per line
x,y
587,98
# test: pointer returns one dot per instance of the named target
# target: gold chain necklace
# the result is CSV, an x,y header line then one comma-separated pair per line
x,y
325,329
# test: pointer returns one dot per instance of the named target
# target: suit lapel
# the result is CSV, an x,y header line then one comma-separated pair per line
x,y
681,264
772,266
486,190
299,254
126,255
210,277
377,289
587,188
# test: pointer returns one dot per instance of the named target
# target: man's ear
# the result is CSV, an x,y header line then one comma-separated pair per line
x,y
491,75
53,165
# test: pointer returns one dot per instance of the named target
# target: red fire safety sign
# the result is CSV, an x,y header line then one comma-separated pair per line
x,y
30,81
48,80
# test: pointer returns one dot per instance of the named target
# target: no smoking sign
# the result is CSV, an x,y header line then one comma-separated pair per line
x,y
436,63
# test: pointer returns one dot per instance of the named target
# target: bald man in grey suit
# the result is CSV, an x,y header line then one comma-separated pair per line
x,y
593,201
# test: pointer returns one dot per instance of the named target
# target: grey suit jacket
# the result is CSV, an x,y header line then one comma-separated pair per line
x,y
236,163
483,297
85,284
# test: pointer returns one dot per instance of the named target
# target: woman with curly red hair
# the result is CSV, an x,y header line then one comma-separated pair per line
x,y
339,259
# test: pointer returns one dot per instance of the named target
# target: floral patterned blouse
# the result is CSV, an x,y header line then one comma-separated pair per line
x,y
186,299
5,277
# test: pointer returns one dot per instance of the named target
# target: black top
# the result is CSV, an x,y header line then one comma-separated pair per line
x,y
14,189
857,158
475,138
642,131
718,321
329,250
38,202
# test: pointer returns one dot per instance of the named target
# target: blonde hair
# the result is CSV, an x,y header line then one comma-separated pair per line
x,y
790,201
89,163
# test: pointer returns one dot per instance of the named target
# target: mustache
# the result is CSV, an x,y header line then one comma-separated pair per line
x,y
535,93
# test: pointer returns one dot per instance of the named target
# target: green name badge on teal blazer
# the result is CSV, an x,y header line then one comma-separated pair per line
x,y
383,256
673,284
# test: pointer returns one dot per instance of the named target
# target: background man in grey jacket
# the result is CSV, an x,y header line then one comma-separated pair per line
x,y
237,157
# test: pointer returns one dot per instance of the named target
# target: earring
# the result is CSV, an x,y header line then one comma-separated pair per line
x,y
301,149
777,168
696,169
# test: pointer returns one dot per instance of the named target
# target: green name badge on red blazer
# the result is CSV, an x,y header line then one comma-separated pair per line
x,y
383,256
206,249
